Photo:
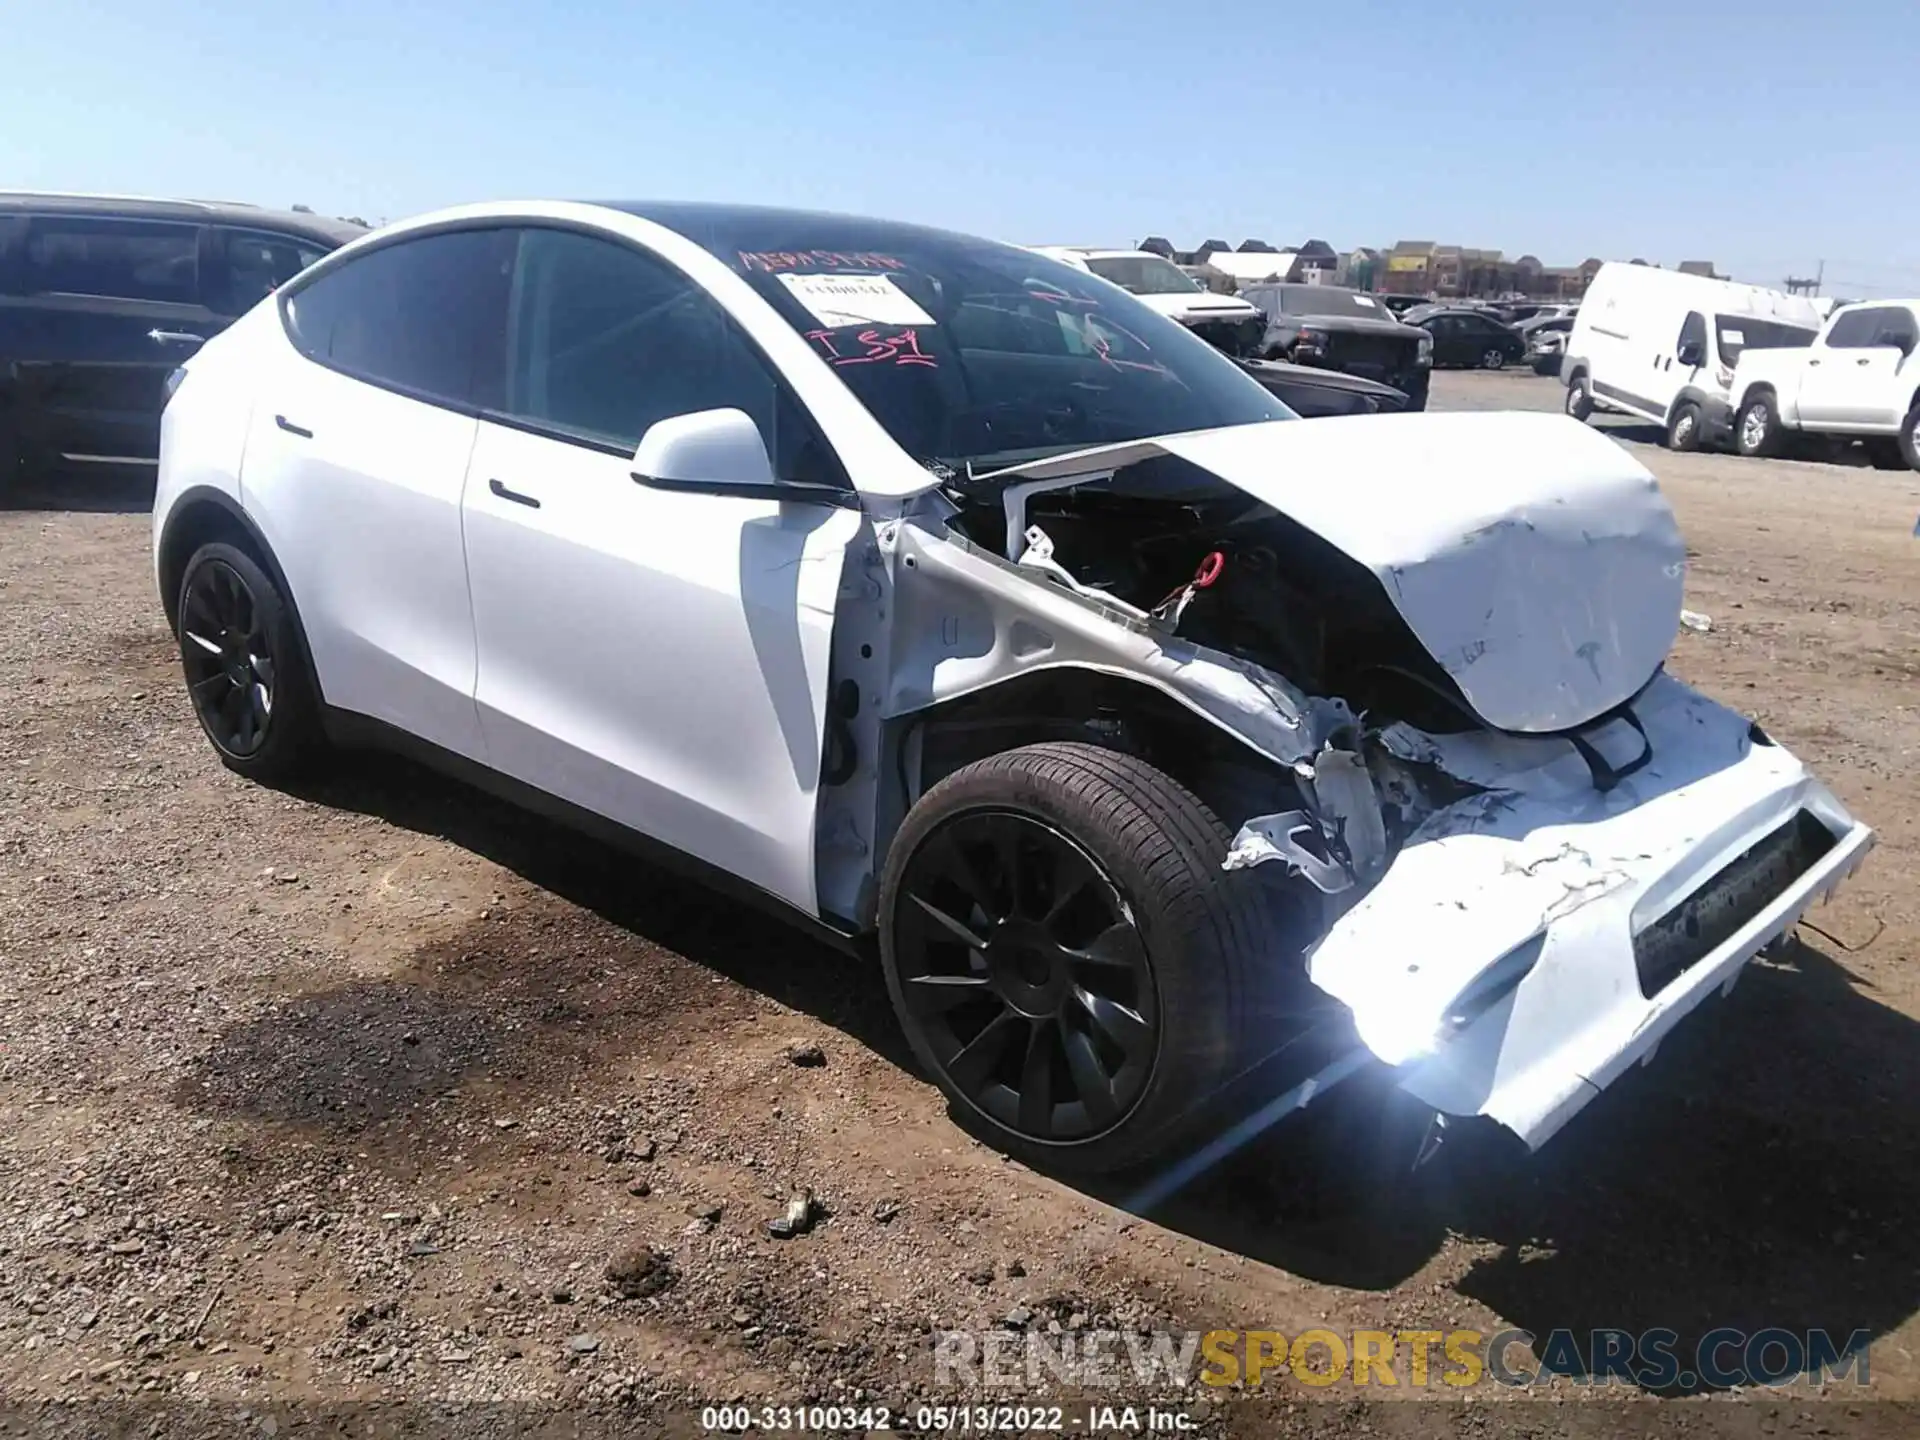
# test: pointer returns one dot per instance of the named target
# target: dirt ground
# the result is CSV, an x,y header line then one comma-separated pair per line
x,y
355,1093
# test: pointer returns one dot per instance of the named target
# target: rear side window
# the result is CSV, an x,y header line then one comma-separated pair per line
x,y
423,316
255,263
1737,333
602,341
117,259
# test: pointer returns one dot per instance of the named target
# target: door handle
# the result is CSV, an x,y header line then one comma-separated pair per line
x,y
1812,363
292,429
514,495
175,337
1864,360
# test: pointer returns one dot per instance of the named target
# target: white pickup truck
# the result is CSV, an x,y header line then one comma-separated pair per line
x,y
1858,380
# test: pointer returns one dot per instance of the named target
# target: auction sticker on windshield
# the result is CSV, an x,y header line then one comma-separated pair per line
x,y
837,301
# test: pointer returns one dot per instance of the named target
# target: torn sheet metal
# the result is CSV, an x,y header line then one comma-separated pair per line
x,y
1531,556
1550,879
965,620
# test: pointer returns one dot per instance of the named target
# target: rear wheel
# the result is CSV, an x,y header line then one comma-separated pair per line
x,y
1910,436
1066,956
245,668
1756,433
9,460
1683,430
1886,454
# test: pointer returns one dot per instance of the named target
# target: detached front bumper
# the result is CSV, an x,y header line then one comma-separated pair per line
x,y
1529,945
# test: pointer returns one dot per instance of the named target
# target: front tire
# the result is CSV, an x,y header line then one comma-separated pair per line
x,y
1579,398
1493,359
1683,430
1066,956
1756,431
245,667
1910,437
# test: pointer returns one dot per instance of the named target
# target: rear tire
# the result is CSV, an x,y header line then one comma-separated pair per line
x,y
246,667
1756,430
9,461
1910,437
1886,454
1119,974
1683,430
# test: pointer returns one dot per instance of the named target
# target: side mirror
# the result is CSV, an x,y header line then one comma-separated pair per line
x,y
716,452
1692,353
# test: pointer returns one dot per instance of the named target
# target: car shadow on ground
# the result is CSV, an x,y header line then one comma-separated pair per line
x,y
746,944
1758,1174
111,492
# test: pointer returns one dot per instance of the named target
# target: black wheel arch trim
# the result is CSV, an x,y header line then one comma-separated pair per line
x,y
196,500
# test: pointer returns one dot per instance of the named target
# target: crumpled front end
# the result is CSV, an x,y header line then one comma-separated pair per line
x,y
1530,942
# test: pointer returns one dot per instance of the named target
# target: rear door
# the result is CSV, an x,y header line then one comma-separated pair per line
x,y
355,462
246,266
99,311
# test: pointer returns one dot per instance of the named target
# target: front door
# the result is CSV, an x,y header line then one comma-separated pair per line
x,y
656,657
1830,383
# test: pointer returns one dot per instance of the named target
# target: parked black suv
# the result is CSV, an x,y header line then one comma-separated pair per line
x,y
1344,330
101,298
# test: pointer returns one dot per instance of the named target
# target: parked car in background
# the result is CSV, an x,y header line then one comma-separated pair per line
x,y
937,594
1857,380
1546,340
102,298
1400,304
1468,337
1344,330
1312,392
1226,323
1662,345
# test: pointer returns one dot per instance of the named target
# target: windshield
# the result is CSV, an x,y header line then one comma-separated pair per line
x,y
971,351
1142,274
1743,332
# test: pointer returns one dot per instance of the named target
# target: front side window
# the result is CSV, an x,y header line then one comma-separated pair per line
x,y
1897,329
423,315
1854,330
1693,331
1143,274
603,341
255,263
118,259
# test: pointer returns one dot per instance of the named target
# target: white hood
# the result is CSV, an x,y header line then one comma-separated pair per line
x,y
1531,556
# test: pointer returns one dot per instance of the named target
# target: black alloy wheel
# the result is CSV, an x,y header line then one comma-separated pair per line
x,y
1023,968
229,660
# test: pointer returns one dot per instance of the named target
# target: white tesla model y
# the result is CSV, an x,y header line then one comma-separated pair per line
x,y
939,593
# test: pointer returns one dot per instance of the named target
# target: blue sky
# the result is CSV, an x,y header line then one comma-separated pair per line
x,y
1764,135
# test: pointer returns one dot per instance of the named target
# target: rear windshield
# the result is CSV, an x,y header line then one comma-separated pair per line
x,y
1142,274
1313,300
1743,332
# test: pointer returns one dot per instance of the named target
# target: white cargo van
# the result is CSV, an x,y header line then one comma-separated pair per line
x,y
1662,345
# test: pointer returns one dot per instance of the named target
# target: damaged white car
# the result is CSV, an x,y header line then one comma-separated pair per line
x,y
939,593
